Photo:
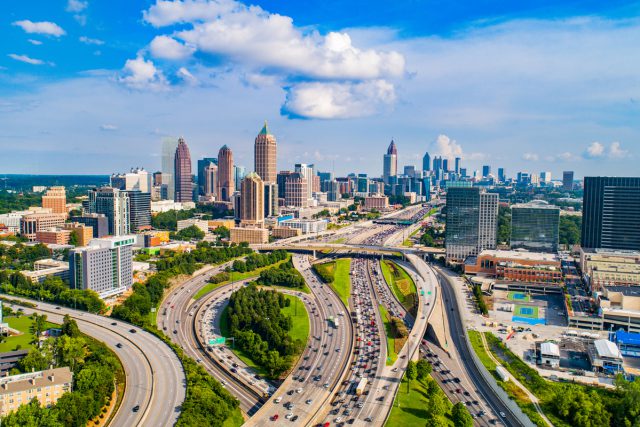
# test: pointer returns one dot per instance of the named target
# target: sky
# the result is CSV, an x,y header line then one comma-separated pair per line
x,y
92,87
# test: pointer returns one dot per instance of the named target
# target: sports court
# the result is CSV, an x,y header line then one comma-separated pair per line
x,y
518,296
527,314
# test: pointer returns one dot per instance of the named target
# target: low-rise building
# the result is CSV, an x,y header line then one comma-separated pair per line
x,y
249,235
32,223
54,236
307,226
99,223
378,202
550,355
628,343
285,232
518,266
605,356
46,386
84,233
603,267
47,267
170,205
227,223
12,219
202,224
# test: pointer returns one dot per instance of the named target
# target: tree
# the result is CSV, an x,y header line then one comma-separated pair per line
x,y
73,238
411,373
39,325
569,229
503,235
461,416
71,351
70,327
35,360
190,233
424,368
222,232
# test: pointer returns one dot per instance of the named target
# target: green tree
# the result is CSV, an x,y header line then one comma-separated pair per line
x,y
71,351
570,229
32,415
190,233
411,373
461,416
39,325
73,238
35,360
424,368
504,225
70,327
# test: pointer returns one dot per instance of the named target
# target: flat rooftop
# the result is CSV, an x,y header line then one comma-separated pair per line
x,y
521,255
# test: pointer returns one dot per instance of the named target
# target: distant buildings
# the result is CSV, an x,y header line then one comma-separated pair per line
x,y
265,155
55,199
226,182
296,194
98,222
390,163
516,266
486,171
535,226
378,202
471,222
249,234
169,146
307,172
136,179
210,179
202,175
605,267
567,180
426,162
139,210
45,386
182,173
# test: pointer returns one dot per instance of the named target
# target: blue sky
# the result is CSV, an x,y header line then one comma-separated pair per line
x,y
93,87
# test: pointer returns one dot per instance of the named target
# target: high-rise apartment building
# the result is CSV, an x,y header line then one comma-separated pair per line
x,y
169,146
306,171
390,163
55,199
226,179
252,200
426,162
105,266
210,179
281,180
611,213
296,194
136,179
471,224
114,204
182,173
202,165
265,155
535,226
567,180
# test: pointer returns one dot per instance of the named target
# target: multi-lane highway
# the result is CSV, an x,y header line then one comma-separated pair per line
x,y
155,380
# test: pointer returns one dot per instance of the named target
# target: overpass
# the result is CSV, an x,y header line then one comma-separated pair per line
x,y
352,248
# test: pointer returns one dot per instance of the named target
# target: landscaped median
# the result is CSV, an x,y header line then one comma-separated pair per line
x,y
392,354
336,275
401,284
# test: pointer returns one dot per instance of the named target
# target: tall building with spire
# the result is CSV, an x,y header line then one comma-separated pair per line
x,y
265,155
226,184
182,173
252,200
390,164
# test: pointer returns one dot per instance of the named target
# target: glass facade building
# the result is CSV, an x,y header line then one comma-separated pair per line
x,y
535,227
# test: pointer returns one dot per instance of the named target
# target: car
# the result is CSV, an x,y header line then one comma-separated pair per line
x,y
288,416
290,392
368,419
339,419
136,408
308,401
133,331
175,331
119,345
57,308
278,399
234,370
235,365
294,418
114,324
503,415
326,385
274,417
299,390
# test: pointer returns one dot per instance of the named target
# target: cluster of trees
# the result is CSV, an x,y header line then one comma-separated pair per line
x,y
18,201
223,276
205,253
570,229
222,232
580,408
169,220
283,275
482,305
326,271
260,328
22,257
430,235
256,260
398,328
94,367
504,225
190,233
52,289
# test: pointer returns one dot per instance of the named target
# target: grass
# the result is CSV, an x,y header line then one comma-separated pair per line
x,y
234,420
408,243
392,355
410,409
23,324
481,351
402,285
338,241
342,282
235,277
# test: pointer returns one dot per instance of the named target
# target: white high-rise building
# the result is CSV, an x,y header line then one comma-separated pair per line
x,y
545,177
307,172
114,204
136,179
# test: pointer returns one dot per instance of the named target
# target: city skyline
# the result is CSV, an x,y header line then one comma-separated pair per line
x,y
547,117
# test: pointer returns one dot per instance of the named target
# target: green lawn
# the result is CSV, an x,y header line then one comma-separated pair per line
x,y
234,420
338,241
402,285
235,277
23,324
408,243
342,282
481,352
410,409
392,356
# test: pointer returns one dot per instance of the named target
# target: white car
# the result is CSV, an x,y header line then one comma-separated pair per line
x,y
308,402
278,399
299,390
289,415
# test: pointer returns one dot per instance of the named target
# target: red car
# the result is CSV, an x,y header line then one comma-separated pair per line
x,y
274,418
325,425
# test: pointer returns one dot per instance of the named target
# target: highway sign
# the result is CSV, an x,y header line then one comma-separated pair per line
x,y
217,341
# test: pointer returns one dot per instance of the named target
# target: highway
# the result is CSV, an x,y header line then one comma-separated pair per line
x,y
155,379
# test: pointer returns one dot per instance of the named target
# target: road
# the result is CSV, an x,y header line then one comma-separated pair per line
x,y
155,379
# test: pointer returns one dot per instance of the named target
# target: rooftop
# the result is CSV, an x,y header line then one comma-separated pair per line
x,y
549,348
21,382
606,348
628,337
521,255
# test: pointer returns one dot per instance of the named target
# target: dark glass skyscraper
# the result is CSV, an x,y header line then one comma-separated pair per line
x,y
182,175
535,226
139,209
426,162
611,213
202,179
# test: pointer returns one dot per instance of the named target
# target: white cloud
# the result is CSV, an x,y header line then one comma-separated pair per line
x,y
88,40
566,156
26,59
44,27
594,150
616,151
34,42
141,74
169,48
446,147
76,5
320,100
186,76
165,13
530,157
108,127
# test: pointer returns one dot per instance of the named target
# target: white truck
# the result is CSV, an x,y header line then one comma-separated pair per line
x,y
361,385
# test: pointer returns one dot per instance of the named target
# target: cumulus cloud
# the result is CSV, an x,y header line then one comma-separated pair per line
x,y
141,74
34,42
44,27
165,47
446,147
165,13
616,151
108,127
26,59
594,150
320,100
530,157
76,5
88,40
186,76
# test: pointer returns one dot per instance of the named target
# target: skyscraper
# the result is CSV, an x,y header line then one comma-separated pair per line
x,y
265,155
239,172
471,222
135,179
282,179
202,164
226,185
545,177
114,204
611,213
182,174
535,226
295,193
307,172
445,164
270,199
252,200
457,164
501,176
210,175
139,210
426,162
363,183
567,180
390,163
169,146
55,199
486,171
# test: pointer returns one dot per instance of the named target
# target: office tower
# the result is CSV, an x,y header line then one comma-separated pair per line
x,y
296,194
55,199
535,226
486,171
157,178
523,178
252,200
281,180
202,165
567,180
239,172
471,222
105,266
265,155
445,165
114,204
410,170
545,177
332,188
390,163
31,224
426,162
611,213
182,173
135,179
501,176
270,199
463,172
457,164
98,222
169,146
437,164
210,179
139,210
307,172
324,177
363,183
226,183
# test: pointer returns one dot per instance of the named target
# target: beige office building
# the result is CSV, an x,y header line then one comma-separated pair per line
x,y
46,386
249,235
265,155
252,200
31,224
56,200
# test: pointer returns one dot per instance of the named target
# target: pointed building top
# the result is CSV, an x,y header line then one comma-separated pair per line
x,y
392,148
265,129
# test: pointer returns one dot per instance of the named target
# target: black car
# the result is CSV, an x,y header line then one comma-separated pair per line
x,y
136,408
114,324
133,331
119,345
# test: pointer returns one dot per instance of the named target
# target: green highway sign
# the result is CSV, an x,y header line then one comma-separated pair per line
x,y
216,341
429,293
